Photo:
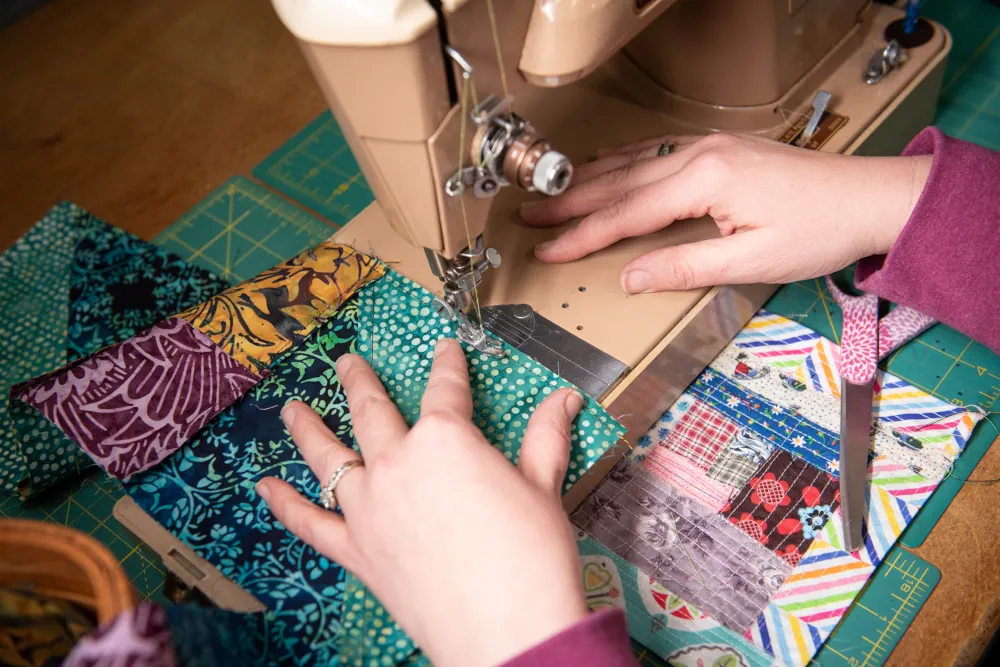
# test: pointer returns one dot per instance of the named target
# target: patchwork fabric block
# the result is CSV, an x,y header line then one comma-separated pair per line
x,y
204,494
701,434
785,506
778,382
687,548
264,316
733,469
87,285
673,468
133,404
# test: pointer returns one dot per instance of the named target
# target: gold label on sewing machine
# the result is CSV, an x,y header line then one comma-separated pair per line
x,y
828,126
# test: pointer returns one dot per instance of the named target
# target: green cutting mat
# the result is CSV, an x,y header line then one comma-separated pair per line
x,y
317,169
241,229
878,619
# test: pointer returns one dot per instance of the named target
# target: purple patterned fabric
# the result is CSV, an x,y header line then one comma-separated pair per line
x,y
133,404
139,637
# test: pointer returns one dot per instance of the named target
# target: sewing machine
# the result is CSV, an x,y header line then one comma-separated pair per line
x,y
576,76
459,110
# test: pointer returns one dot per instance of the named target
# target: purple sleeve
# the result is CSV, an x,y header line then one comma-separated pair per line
x,y
946,261
601,639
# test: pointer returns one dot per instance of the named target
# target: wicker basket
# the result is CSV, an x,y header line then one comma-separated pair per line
x,y
62,563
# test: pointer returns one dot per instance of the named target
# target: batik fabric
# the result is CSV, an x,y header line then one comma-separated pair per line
x,y
87,285
37,631
204,495
259,319
131,405
767,566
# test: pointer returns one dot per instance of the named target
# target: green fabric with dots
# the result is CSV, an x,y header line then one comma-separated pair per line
x,y
397,330
34,301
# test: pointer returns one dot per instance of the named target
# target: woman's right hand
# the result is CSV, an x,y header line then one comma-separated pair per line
x,y
784,213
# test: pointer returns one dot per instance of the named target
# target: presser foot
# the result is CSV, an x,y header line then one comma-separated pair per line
x,y
477,337
467,331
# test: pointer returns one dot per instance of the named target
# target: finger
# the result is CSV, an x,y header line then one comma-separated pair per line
x,y
545,449
591,170
376,421
448,385
641,211
324,531
600,191
322,450
742,258
678,140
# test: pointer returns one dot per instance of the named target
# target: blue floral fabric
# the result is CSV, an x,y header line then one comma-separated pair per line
x,y
205,495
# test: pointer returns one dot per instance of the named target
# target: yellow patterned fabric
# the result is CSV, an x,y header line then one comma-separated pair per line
x,y
38,632
261,318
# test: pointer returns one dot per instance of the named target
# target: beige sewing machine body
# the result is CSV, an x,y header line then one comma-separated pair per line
x,y
459,110
547,80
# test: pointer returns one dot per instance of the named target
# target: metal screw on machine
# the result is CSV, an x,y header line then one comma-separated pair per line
x,y
884,61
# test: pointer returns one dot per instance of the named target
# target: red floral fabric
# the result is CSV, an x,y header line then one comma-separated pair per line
x,y
785,505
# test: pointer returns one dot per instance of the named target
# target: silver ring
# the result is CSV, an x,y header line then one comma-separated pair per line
x,y
665,149
328,496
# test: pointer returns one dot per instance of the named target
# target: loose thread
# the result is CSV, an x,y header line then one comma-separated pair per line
x,y
951,462
981,482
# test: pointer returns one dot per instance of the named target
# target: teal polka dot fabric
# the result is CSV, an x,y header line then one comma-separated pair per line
x,y
34,302
397,331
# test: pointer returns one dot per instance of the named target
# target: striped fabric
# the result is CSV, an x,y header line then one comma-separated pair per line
x,y
788,639
782,342
823,585
900,481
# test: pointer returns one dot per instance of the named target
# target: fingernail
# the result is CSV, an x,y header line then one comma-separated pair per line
x,y
574,401
344,364
263,490
542,247
636,282
288,414
443,345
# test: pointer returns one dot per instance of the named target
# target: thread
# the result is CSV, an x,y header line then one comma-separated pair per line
x,y
496,47
461,195
951,462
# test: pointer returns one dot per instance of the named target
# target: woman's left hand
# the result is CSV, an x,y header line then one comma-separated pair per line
x,y
473,557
